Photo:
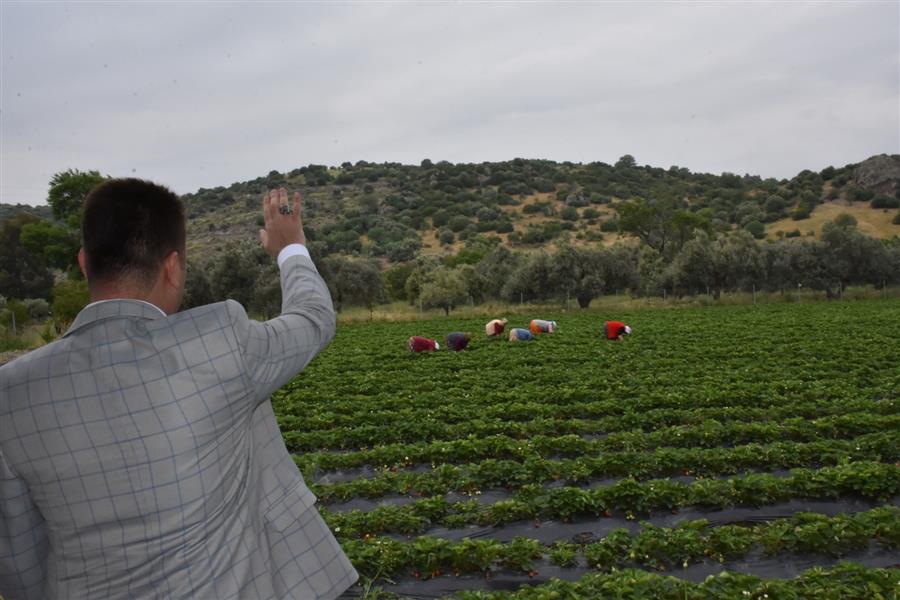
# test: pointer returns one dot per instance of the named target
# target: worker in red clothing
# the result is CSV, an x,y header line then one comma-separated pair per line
x,y
616,330
422,344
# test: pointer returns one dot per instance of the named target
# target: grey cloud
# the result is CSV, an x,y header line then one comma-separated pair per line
x,y
202,94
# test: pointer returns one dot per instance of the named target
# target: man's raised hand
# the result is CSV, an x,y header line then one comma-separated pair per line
x,y
283,224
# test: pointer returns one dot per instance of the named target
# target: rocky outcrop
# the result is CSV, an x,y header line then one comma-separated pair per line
x,y
880,173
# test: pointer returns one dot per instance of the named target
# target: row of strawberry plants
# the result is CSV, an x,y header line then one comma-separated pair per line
x,y
846,581
637,413
870,480
393,453
651,547
708,434
662,462
508,447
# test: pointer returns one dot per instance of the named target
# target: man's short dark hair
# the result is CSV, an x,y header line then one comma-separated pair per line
x,y
128,227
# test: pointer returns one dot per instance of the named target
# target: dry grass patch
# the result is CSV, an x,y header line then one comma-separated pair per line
x,y
874,222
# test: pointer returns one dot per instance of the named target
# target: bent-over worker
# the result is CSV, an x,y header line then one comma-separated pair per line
x,y
495,328
418,343
457,341
518,334
616,330
541,326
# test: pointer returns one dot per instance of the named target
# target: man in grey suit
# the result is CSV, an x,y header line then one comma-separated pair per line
x,y
139,454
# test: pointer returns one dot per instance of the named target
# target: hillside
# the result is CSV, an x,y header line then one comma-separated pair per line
x,y
444,234
395,212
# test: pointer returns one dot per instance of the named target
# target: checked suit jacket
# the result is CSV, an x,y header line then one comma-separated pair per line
x,y
140,456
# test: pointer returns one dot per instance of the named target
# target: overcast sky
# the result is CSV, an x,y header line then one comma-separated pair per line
x,y
202,94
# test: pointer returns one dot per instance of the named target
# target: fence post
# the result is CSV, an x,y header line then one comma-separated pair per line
x,y
13,321
754,294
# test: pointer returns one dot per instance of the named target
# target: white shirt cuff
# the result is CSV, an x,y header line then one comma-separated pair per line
x,y
292,250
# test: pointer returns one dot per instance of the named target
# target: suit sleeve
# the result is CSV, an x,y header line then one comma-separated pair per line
x,y
276,350
23,539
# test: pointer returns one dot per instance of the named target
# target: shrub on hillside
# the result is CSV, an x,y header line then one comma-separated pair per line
x,y
440,217
883,201
610,225
487,214
446,236
403,250
858,194
775,206
544,208
543,185
458,223
533,235
756,229
569,213
469,232
513,188
802,211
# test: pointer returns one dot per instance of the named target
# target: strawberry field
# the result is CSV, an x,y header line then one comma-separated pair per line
x,y
722,452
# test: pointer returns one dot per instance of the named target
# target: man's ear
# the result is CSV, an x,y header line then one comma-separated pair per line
x,y
173,267
82,262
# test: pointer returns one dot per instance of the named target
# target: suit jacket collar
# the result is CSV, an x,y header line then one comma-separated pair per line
x,y
114,309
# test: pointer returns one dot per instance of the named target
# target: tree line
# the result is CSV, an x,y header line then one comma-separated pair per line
x,y
696,262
